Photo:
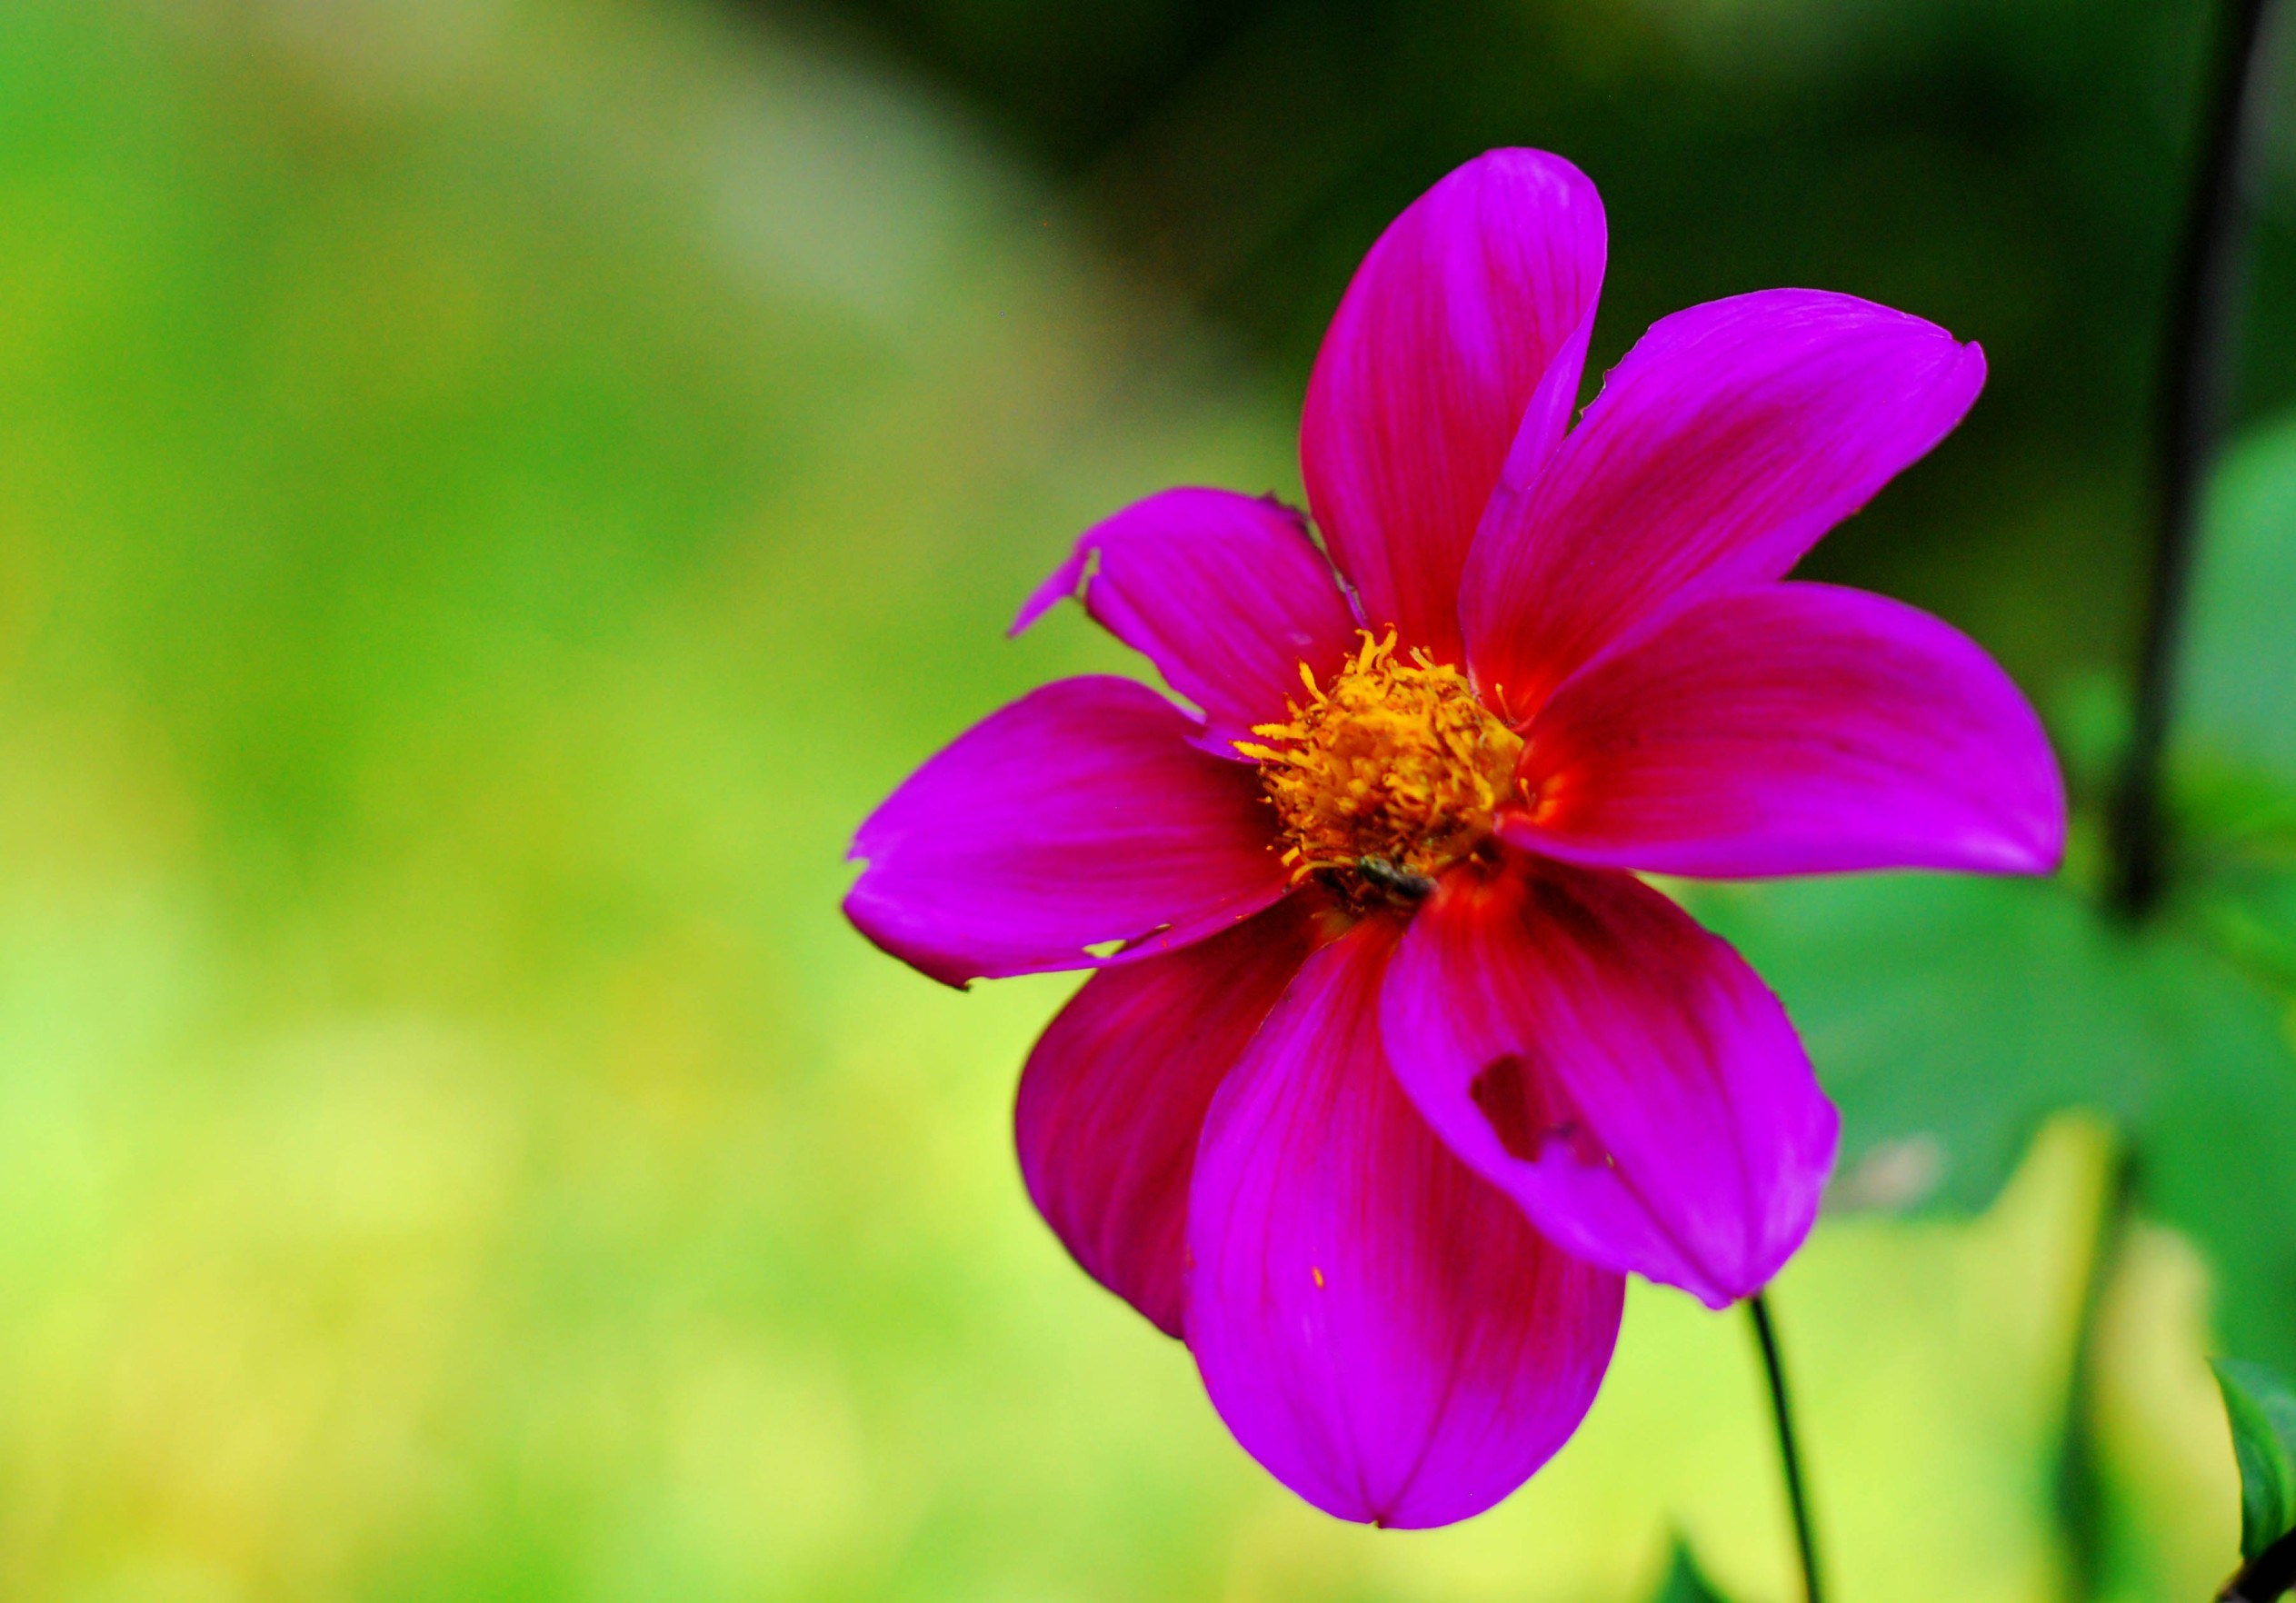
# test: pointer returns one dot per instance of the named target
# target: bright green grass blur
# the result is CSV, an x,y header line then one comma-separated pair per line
x,y
490,492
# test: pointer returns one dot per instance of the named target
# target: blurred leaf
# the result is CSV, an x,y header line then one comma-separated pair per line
x,y
1685,1582
2213,1139
1948,1017
2262,1414
2238,692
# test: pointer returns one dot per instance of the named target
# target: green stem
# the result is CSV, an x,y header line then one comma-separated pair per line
x,y
2196,382
1789,1450
2080,1496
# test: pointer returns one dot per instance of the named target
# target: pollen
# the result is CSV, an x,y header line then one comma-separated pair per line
x,y
1386,775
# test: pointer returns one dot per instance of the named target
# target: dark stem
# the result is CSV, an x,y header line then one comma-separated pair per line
x,y
2196,371
2265,1577
2081,1494
1789,1453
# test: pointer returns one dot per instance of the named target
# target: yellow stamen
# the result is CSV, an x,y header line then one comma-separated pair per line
x,y
1387,775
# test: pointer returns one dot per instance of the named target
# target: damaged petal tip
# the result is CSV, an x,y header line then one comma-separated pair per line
x,y
1064,582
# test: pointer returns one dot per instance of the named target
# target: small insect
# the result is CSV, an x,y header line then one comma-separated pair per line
x,y
1397,881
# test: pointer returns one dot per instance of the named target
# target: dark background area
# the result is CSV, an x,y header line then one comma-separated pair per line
x,y
2013,169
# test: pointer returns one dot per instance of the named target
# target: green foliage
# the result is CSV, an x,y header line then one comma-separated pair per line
x,y
2261,1411
2239,697
1685,1582
1948,1017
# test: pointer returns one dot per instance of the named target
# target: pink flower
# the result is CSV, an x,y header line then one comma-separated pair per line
x,y
1392,1068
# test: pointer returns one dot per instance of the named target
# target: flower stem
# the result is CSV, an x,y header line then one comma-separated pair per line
x,y
2080,1491
1789,1452
2196,372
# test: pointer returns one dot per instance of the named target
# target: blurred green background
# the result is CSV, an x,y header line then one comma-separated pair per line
x,y
491,492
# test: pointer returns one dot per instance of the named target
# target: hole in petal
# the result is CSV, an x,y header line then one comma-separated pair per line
x,y
1528,1114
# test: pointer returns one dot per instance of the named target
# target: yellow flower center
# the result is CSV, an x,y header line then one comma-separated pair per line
x,y
1387,775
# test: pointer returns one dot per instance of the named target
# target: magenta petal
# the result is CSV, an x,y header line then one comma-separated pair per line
x,y
1731,437
1077,817
1378,1327
1113,1098
1425,385
1579,1041
1794,729
1225,593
